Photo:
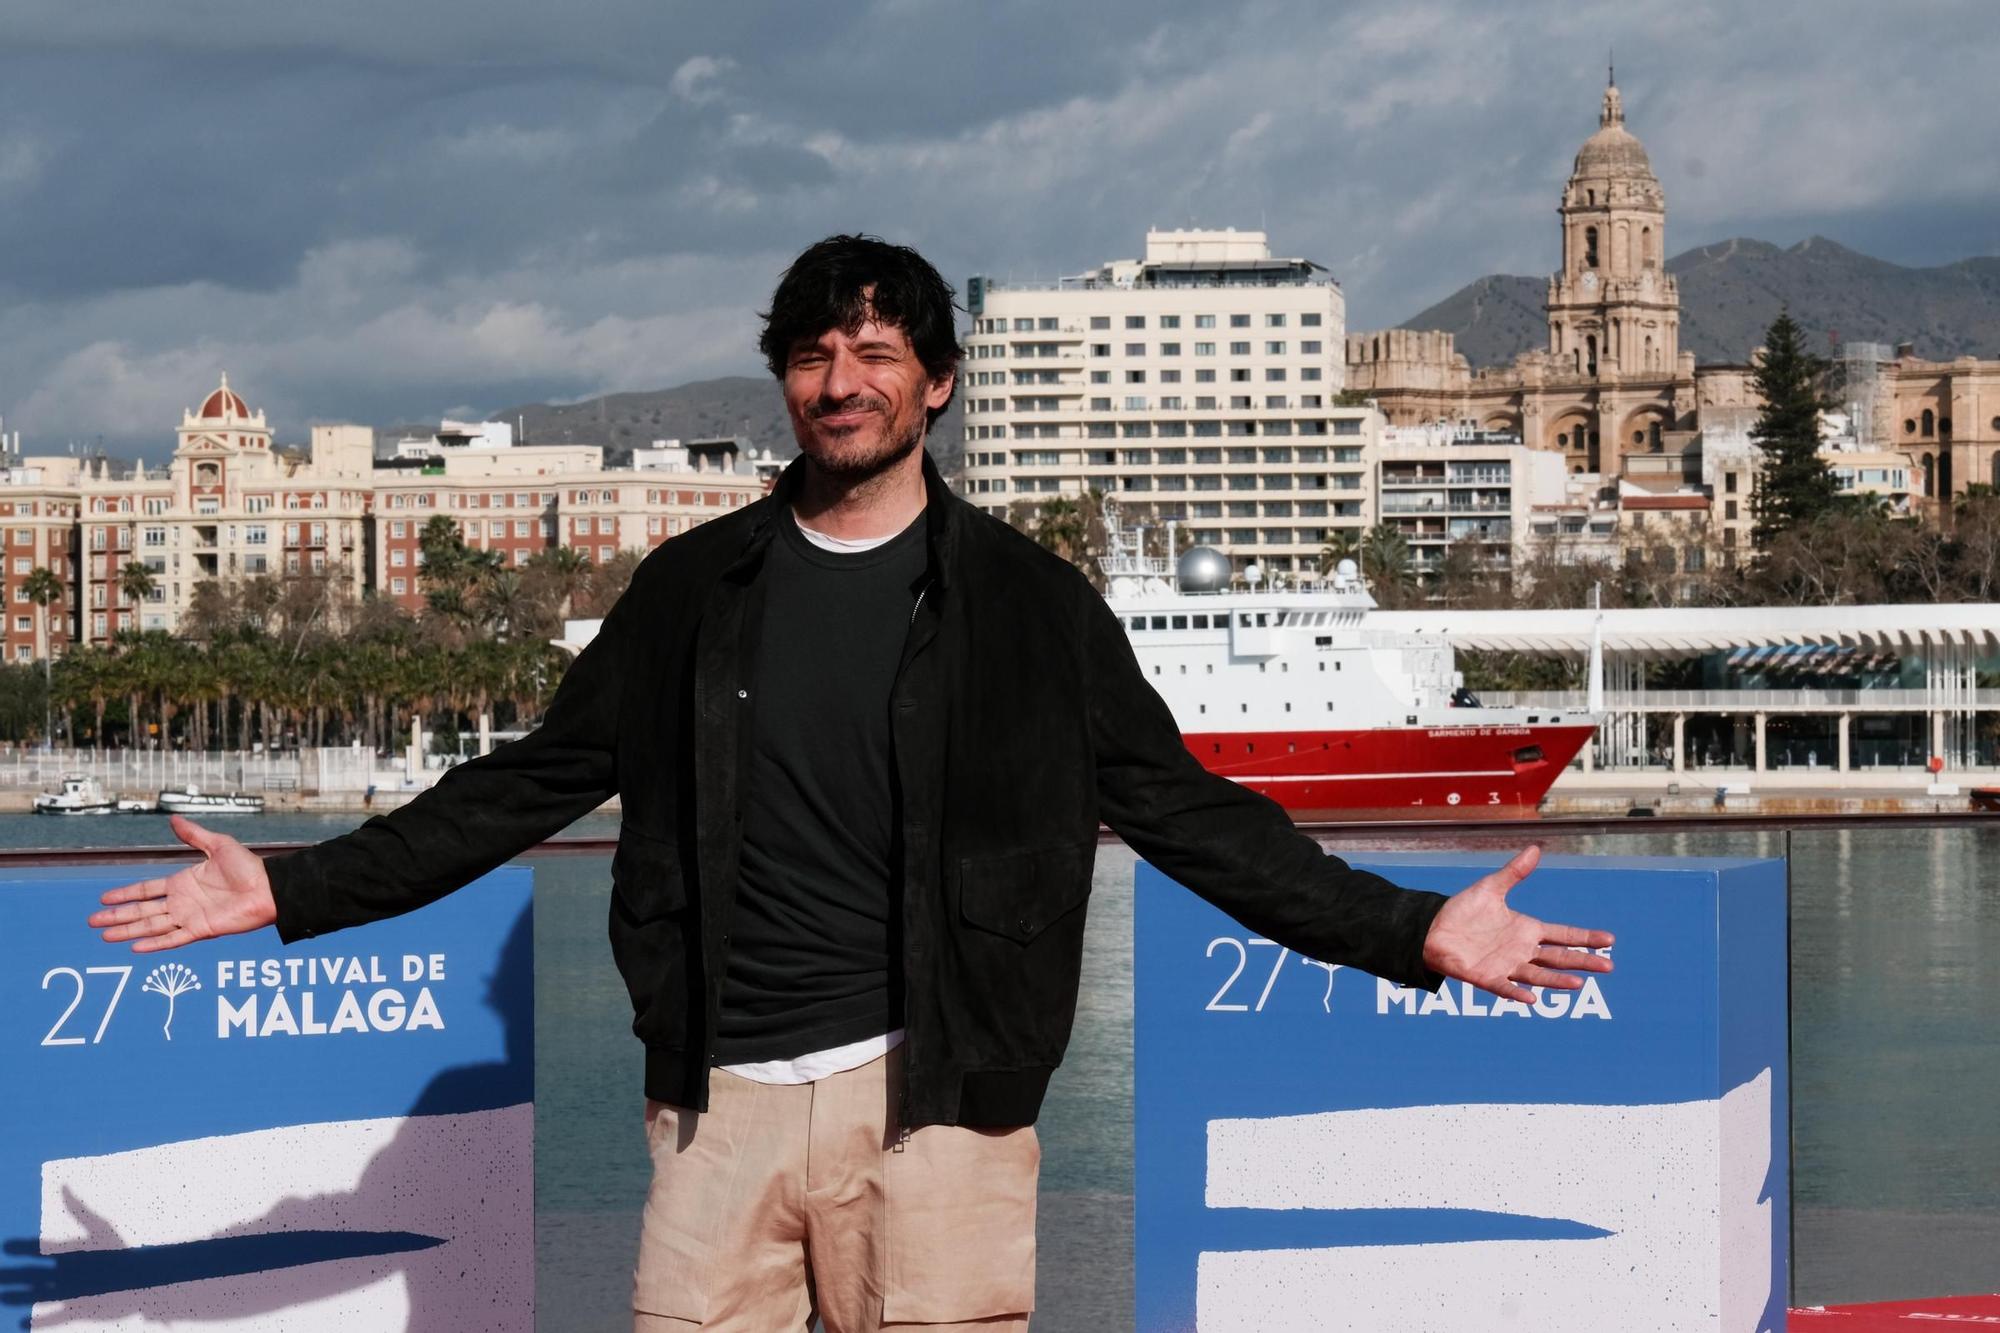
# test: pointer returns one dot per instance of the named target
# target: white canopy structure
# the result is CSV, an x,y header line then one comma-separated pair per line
x,y
1654,634
1939,646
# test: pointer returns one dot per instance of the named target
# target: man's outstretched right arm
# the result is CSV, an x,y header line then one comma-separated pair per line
x,y
480,815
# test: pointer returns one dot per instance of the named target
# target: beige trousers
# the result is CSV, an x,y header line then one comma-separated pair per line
x,y
785,1202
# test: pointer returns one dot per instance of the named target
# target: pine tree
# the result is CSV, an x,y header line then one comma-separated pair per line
x,y
1793,483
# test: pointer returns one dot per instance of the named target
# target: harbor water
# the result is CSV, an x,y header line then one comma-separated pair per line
x,y
1896,1077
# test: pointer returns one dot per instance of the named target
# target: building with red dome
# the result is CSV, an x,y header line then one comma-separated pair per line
x,y
129,544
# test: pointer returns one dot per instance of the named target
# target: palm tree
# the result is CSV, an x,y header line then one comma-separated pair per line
x,y
135,582
1343,544
502,602
1386,564
43,589
566,571
92,676
1062,525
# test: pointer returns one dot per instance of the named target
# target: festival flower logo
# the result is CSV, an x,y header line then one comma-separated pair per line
x,y
171,980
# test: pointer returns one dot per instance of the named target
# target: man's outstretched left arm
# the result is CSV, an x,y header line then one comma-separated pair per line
x,y
1241,852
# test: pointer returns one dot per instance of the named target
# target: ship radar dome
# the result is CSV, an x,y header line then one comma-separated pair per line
x,y
1202,569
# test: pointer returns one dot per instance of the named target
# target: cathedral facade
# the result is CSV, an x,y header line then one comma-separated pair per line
x,y
1612,384
1612,380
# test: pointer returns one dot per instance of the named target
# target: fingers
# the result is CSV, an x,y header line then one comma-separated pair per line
x,y
171,940
138,892
205,841
1522,865
1575,936
1518,868
128,913
1573,960
154,923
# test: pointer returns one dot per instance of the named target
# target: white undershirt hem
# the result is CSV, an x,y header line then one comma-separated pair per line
x,y
842,545
816,1065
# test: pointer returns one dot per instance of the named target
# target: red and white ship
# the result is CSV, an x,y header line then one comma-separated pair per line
x,y
1287,690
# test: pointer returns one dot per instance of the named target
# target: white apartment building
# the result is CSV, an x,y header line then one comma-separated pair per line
x,y
1197,385
1451,482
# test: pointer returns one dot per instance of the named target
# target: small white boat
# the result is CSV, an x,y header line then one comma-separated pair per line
x,y
192,800
133,805
79,796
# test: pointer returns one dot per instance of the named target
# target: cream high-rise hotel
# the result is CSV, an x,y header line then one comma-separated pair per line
x,y
1198,383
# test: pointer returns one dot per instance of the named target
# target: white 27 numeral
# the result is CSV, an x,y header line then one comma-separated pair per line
x,y
124,975
1216,1004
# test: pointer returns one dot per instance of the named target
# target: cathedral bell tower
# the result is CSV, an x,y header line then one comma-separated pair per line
x,y
1614,313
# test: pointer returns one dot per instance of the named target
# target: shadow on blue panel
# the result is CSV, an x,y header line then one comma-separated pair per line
x,y
1320,1228
282,1259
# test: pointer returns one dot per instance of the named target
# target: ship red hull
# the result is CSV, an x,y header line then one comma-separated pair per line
x,y
1471,772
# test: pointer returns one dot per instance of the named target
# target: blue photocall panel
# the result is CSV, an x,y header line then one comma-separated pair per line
x,y
238,1135
1320,1149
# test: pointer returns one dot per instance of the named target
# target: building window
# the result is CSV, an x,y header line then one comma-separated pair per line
x,y
1930,423
1204,321
1590,247
1239,321
398,586
1239,349
1135,321
1170,321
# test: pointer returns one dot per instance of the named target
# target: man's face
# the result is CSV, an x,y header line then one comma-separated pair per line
x,y
859,402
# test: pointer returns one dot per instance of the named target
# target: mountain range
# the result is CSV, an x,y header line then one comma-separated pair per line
x,y
1730,293
745,405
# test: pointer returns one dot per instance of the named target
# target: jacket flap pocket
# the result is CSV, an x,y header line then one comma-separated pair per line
x,y
1020,893
646,876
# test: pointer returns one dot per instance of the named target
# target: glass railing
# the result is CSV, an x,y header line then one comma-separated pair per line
x,y
1896,1149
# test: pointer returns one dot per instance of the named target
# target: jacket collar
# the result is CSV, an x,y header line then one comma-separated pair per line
x,y
940,517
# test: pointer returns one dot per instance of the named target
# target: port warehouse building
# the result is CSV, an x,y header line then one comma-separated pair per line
x,y
1840,696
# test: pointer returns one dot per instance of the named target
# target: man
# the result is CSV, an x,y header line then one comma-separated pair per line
x,y
863,737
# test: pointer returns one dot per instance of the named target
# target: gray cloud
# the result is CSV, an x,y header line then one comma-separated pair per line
x,y
377,211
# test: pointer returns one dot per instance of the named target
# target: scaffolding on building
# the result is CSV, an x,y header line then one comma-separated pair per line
x,y
1864,391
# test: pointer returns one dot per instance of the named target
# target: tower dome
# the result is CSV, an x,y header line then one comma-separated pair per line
x,y
1613,151
224,405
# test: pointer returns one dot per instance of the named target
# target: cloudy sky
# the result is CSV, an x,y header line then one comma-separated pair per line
x,y
387,210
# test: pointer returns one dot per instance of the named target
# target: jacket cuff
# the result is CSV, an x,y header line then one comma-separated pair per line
x,y
1422,914
299,893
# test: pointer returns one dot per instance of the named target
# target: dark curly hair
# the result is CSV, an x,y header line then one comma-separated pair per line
x,y
843,281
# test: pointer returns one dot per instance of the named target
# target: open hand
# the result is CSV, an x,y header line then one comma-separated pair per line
x,y
1476,937
226,893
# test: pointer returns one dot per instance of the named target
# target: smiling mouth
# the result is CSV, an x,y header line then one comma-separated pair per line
x,y
844,418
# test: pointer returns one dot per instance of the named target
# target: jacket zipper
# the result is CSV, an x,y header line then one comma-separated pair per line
x,y
903,1109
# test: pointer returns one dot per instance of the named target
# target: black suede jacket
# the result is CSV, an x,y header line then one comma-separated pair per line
x,y
1020,720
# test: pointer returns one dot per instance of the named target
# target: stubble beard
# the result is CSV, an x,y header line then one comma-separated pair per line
x,y
850,467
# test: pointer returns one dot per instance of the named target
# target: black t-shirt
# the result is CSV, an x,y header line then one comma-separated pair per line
x,y
811,964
